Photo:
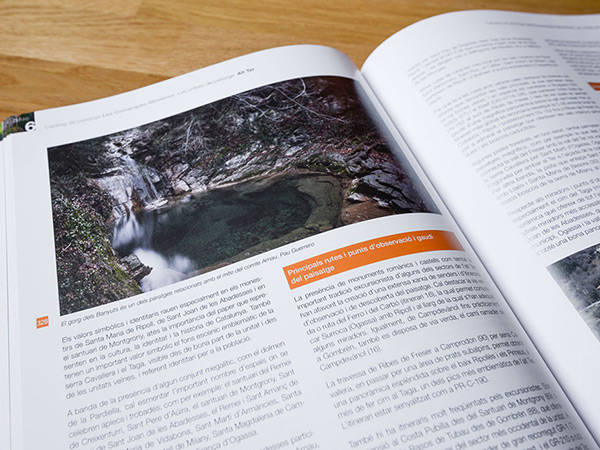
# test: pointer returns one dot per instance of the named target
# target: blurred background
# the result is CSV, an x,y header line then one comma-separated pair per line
x,y
59,52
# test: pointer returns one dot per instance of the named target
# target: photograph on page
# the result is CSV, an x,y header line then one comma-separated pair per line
x,y
149,206
578,275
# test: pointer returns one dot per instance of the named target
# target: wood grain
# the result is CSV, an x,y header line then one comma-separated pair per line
x,y
59,52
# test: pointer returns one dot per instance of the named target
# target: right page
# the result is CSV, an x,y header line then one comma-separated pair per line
x,y
503,111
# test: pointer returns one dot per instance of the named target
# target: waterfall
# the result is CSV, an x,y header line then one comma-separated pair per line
x,y
129,183
132,235
133,188
129,233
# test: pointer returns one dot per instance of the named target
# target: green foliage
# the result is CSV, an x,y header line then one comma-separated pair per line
x,y
89,273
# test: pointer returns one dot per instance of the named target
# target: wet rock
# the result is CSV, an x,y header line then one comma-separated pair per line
x,y
135,267
180,187
389,189
357,198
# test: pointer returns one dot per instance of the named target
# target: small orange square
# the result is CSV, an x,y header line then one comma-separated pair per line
x,y
42,322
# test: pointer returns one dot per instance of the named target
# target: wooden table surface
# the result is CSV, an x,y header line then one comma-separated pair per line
x,y
59,52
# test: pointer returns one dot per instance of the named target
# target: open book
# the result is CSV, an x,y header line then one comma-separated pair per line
x,y
282,251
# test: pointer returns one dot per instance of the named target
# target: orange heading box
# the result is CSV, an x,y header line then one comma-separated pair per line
x,y
42,322
368,252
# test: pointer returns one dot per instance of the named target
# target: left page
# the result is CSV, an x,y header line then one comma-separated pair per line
x,y
74,188
248,257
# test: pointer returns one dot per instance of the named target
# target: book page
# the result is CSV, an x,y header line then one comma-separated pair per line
x,y
246,257
503,111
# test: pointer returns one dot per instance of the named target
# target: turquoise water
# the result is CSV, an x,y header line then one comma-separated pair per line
x,y
208,228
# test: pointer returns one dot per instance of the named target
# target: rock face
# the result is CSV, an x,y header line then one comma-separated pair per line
x,y
315,126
